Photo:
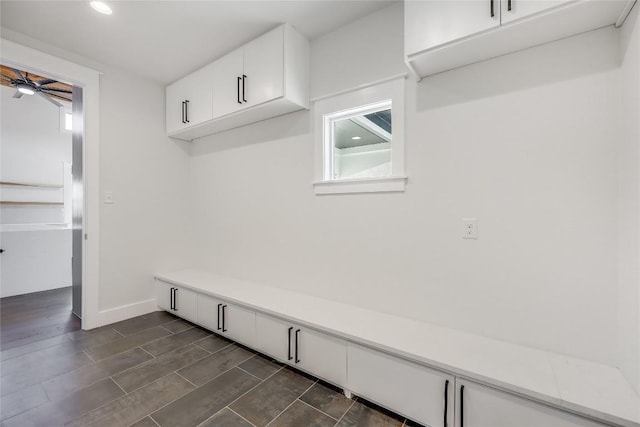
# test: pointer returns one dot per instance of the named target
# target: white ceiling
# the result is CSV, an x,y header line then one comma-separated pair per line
x,y
164,40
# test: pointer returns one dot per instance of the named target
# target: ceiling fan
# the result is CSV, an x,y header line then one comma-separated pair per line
x,y
31,84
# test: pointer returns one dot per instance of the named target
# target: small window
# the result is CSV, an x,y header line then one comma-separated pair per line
x,y
66,119
360,140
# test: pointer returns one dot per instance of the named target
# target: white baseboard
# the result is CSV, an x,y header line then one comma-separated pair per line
x,y
112,315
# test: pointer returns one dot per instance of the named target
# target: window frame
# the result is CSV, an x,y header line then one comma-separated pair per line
x,y
350,103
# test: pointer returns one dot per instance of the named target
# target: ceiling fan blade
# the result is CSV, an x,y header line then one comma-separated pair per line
x,y
45,82
17,95
50,89
53,101
19,74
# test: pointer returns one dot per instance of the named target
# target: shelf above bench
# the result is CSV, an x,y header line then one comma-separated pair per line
x,y
579,386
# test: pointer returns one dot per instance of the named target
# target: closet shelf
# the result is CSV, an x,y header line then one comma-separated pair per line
x,y
9,202
30,184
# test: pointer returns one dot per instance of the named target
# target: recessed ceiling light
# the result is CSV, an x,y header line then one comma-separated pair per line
x,y
101,7
355,138
27,90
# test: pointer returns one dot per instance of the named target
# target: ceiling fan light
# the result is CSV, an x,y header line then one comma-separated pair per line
x,y
27,90
101,7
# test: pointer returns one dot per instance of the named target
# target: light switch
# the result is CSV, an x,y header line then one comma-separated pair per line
x,y
469,228
108,197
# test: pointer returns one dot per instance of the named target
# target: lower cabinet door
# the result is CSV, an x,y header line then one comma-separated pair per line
x,y
320,354
177,300
419,393
237,323
481,406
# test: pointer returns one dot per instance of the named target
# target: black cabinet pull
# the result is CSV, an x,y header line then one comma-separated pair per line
x,y
238,89
224,320
461,406
289,344
175,299
509,5
297,336
186,111
1,251
171,298
244,77
446,401
219,305
183,112
492,12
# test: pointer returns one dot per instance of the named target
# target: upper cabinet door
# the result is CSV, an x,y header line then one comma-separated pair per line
x,y
189,100
227,84
517,9
432,23
264,68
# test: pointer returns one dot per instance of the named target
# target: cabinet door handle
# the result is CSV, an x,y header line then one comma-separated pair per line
x,y
219,305
492,12
224,319
238,89
446,401
509,5
297,339
289,343
171,298
183,112
461,406
244,77
186,111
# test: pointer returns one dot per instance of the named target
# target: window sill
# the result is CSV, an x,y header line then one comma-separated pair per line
x,y
367,185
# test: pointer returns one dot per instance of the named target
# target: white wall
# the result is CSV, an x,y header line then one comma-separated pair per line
x,y
629,209
32,150
526,143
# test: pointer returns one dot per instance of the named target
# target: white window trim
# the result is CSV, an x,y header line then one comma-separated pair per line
x,y
344,104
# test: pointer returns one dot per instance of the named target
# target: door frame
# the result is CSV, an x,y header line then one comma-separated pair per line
x,y
32,60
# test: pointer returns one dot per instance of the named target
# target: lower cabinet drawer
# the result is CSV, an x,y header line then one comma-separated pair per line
x,y
419,393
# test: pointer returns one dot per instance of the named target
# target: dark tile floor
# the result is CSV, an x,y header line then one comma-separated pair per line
x,y
154,370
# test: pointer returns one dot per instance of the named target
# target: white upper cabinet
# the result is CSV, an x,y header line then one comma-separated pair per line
x,y
267,77
189,100
442,35
435,23
516,9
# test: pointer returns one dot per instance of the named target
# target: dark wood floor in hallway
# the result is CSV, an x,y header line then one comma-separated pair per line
x,y
152,370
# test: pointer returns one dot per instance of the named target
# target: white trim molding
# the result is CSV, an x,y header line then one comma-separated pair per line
x,y
365,185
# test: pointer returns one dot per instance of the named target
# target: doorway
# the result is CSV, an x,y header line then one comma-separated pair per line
x,y
41,203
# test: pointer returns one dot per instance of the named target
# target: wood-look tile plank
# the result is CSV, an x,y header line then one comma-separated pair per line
x,y
203,402
260,366
21,401
145,422
226,418
159,367
33,346
269,399
178,325
369,415
140,323
175,341
94,337
134,406
73,406
58,387
329,400
126,343
214,343
215,364
301,414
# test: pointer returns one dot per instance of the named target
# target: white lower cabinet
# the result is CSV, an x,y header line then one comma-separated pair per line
x,y
481,406
230,320
177,300
320,354
415,391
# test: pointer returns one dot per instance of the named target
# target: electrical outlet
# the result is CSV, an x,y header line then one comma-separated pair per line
x,y
469,228
108,197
